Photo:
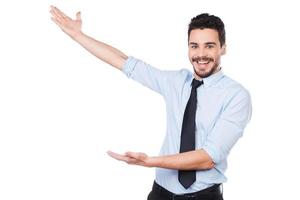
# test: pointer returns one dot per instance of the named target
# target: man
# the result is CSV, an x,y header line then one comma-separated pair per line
x,y
206,110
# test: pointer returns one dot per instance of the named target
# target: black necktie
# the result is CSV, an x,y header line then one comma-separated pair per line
x,y
187,142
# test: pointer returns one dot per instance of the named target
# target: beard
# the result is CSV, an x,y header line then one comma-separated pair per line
x,y
205,74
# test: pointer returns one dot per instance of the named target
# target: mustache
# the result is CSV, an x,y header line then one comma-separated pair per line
x,y
204,58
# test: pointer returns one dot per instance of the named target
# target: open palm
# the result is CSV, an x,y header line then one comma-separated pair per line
x,y
69,26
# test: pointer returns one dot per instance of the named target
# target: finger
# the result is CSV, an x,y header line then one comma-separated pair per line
x,y
117,156
132,161
56,16
78,16
136,155
113,154
59,14
56,21
128,153
133,155
53,10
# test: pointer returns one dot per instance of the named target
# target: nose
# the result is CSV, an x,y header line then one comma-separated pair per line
x,y
201,52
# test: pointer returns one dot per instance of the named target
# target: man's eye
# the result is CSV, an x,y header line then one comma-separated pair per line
x,y
193,46
209,46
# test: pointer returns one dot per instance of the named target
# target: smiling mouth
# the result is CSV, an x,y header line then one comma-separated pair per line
x,y
202,60
202,64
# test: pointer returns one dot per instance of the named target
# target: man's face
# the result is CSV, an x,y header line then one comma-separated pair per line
x,y
205,52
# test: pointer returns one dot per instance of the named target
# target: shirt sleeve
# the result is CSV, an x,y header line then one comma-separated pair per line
x,y
147,75
229,127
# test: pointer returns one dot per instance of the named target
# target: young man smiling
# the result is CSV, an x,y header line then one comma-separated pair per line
x,y
206,110
205,50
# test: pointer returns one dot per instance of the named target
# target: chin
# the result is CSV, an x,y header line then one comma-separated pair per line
x,y
204,74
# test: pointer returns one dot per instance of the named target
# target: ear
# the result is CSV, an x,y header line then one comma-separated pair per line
x,y
223,49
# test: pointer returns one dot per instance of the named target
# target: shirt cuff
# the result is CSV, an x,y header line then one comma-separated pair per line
x,y
212,151
129,66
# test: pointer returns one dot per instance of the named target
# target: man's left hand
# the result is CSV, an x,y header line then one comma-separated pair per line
x,y
132,158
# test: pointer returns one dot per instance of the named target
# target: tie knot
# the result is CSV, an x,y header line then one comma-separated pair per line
x,y
196,83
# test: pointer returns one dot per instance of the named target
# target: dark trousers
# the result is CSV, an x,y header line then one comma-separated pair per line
x,y
160,193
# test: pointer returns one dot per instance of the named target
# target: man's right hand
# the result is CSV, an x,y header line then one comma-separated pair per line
x,y
68,25
103,51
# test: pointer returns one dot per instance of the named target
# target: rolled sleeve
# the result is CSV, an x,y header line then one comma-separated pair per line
x,y
229,127
129,66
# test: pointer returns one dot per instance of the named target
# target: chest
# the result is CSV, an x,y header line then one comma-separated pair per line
x,y
209,107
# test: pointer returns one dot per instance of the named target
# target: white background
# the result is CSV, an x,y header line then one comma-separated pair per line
x,y
61,109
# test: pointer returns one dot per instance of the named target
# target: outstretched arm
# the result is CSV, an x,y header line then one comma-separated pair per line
x,y
99,49
192,160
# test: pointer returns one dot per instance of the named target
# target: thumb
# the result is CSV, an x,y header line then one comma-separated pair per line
x,y
78,15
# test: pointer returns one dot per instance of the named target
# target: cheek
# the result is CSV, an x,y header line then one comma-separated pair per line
x,y
190,55
216,56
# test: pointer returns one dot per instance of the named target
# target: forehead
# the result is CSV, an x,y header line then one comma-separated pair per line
x,y
202,36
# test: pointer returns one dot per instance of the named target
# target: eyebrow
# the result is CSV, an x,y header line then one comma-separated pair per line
x,y
207,43
213,43
193,43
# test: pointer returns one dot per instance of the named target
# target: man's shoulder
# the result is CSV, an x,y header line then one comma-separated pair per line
x,y
185,73
234,87
180,76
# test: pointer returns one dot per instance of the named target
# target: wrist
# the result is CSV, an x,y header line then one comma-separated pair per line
x,y
153,161
77,35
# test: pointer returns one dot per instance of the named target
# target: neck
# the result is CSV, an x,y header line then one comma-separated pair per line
x,y
197,77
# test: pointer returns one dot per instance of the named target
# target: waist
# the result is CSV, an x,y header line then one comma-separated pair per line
x,y
213,191
168,179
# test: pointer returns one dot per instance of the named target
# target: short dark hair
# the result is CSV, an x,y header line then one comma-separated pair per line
x,y
205,20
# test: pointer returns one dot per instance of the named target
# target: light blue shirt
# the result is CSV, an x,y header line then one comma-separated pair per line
x,y
223,110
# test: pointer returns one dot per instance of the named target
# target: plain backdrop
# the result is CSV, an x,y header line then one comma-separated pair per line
x,y
61,108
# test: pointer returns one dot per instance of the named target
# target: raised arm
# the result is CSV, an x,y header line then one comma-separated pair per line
x,y
99,49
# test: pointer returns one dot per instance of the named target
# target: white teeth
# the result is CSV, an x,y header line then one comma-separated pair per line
x,y
202,62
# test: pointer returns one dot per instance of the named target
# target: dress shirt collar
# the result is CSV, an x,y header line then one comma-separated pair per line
x,y
212,79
